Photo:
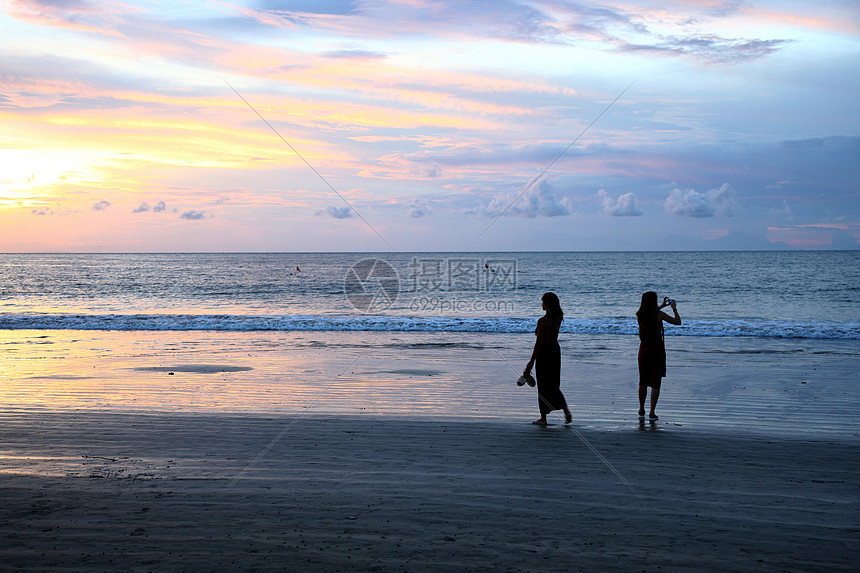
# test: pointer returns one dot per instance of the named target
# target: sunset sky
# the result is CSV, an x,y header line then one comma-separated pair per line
x,y
415,125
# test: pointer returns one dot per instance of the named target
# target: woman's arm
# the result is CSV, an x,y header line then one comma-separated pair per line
x,y
538,342
676,320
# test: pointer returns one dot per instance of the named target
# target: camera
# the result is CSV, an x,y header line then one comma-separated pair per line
x,y
670,302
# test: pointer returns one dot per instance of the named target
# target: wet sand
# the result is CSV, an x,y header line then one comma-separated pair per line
x,y
801,388
400,452
110,492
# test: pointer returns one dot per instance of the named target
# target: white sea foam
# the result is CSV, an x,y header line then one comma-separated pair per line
x,y
507,325
792,295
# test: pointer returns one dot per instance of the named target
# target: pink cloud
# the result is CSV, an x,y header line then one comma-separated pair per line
x,y
816,236
72,14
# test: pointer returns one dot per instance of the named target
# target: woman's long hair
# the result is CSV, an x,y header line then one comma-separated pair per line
x,y
648,307
553,306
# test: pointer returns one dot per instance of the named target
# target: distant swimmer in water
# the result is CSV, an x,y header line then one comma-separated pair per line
x,y
298,270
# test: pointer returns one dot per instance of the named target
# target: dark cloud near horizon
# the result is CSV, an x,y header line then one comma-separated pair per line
x,y
419,209
101,205
690,203
539,201
193,215
626,205
338,212
808,170
813,168
144,207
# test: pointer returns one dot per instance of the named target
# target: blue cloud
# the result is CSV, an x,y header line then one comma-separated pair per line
x,y
691,203
627,205
339,212
193,215
539,202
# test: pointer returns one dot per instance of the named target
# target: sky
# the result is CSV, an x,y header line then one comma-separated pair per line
x,y
413,125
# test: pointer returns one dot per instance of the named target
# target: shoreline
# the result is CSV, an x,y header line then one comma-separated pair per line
x,y
777,388
108,491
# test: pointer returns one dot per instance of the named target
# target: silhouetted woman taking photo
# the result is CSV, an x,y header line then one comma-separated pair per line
x,y
547,355
652,349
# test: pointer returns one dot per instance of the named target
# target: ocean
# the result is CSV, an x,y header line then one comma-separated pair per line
x,y
768,342
768,295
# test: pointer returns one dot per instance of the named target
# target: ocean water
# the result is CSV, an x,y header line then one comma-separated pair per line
x,y
769,295
769,342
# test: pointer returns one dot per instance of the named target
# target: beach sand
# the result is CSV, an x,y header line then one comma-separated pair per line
x,y
110,492
365,452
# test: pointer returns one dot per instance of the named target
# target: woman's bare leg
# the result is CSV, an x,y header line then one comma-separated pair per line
x,y
655,395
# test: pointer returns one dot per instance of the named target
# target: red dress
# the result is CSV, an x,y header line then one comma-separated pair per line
x,y
652,351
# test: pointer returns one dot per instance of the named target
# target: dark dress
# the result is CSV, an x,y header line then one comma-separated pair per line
x,y
652,351
548,370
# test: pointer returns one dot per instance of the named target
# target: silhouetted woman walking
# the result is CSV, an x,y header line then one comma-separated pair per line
x,y
547,355
652,349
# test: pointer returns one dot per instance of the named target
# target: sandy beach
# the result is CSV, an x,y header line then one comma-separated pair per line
x,y
107,492
361,452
